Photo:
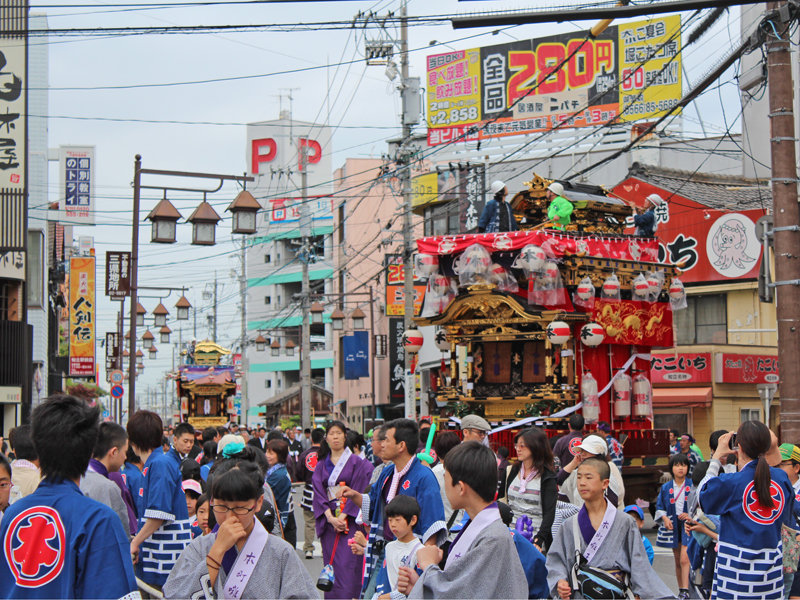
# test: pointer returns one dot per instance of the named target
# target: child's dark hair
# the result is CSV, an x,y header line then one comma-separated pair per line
x,y
209,452
755,441
111,435
4,464
677,459
599,464
403,506
713,440
354,440
132,457
474,464
192,494
190,469
324,449
699,472
405,430
201,499
503,451
144,430
237,482
65,432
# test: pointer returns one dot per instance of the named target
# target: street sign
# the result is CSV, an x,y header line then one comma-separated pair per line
x,y
380,344
768,222
106,414
117,391
118,275
117,377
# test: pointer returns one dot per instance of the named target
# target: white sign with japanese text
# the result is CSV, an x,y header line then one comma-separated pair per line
x,y
12,114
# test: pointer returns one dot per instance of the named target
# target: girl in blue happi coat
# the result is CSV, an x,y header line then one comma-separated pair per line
x,y
672,508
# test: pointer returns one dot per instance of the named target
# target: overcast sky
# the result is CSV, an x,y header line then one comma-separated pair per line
x,y
148,75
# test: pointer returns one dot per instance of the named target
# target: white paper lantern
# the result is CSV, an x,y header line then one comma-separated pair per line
x,y
585,291
532,258
592,334
440,285
427,264
441,341
549,274
654,284
611,286
412,341
558,332
640,286
676,291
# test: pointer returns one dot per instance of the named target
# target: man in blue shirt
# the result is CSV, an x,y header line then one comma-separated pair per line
x,y
645,217
57,543
497,215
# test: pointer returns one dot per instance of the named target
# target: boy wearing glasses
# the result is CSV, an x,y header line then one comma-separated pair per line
x,y
164,525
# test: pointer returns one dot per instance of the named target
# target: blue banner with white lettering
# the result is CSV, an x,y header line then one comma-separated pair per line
x,y
356,355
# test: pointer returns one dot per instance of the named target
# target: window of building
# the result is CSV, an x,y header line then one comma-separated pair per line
x,y
268,383
279,382
267,258
6,291
704,321
443,219
673,418
749,414
267,299
279,300
35,264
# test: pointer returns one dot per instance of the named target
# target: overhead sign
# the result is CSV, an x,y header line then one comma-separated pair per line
x,y
82,316
680,368
397,365
395,287
76,180
118,275
517,87
746,368
722,247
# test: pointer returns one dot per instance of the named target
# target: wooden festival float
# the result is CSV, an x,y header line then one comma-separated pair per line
x,y
540,323
206,388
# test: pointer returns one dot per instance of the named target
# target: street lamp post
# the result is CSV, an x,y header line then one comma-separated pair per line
x,y
202,235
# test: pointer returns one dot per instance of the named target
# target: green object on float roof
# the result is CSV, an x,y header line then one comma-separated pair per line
x,y
426,456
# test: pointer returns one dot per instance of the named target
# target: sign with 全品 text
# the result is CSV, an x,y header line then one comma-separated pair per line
x,y
671,368
746,368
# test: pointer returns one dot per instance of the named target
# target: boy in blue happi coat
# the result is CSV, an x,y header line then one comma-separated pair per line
x,y
56,543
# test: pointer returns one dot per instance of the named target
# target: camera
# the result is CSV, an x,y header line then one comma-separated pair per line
x,y
732,444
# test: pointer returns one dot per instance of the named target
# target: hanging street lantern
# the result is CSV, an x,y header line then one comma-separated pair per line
x,y
261,343
441,341
204,221
316,313
164,217
592,334
290,346
147,339
244,209
275,347
358,318
139,369
160,313
165,331
140,313
152,350
337,318
183,307
139,357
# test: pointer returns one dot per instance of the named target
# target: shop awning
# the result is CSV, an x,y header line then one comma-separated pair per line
x,y
674,397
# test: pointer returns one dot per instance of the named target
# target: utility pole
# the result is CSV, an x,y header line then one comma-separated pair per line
x,y
120,350
405,175
787,217
215,307
134,278
243,295
305,344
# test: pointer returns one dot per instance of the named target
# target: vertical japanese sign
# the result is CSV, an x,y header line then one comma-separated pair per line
x,y
13,123
81,316
76,167
118,275
654,86
397,365
113,361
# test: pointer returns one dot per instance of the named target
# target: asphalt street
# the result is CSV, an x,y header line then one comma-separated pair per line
x,y
663,564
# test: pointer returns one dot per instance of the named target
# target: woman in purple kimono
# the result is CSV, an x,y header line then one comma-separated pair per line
x,y
336,464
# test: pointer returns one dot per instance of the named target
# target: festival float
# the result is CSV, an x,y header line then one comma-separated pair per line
x,y
540,323
206,388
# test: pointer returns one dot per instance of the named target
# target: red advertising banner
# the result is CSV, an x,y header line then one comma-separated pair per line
x,y
746,368
640,323
671,368
712,245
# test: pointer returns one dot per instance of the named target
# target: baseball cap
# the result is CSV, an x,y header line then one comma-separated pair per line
x,y
789,452
229,438
497,186
298,428
632,508
475,422
594,444
191,484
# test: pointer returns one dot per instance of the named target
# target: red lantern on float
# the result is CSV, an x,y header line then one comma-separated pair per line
x,y
592,334
412,341
558,332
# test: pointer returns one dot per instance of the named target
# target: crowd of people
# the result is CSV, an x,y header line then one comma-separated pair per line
x,y
91,509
